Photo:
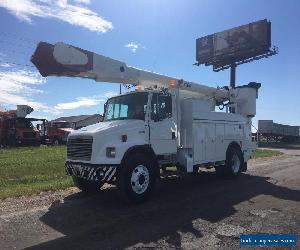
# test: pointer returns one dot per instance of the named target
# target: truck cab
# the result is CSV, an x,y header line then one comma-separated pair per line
x,y
142,120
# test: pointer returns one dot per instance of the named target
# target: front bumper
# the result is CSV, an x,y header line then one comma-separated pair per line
x,y
92,172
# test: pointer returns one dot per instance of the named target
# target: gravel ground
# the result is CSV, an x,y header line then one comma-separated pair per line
x,y
198,212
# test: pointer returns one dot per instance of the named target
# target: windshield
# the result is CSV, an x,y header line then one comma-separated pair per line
x,y
132,106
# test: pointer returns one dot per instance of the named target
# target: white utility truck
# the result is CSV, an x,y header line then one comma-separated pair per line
x,y
165,121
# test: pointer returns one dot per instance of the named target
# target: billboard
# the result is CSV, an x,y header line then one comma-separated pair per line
x,y
234,45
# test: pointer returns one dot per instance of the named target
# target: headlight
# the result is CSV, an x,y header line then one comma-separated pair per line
x,y
111,152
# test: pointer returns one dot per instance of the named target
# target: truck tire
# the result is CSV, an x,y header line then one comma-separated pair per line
x,y
87,186
136,178
234,163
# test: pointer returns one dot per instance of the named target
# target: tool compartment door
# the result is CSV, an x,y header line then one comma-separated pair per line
x,y
199,142
210,141
204,142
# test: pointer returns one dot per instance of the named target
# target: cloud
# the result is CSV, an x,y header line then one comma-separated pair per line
x,y
133,46
18,87
75,14
79,102
5,65
20,82
84,101
82,1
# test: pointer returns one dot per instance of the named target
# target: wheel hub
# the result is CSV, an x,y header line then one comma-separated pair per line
x,y
140,179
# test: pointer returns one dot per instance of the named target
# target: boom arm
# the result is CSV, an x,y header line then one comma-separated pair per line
x,y
66,60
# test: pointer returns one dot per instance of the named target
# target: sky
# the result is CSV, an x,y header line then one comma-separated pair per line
x,y
157,35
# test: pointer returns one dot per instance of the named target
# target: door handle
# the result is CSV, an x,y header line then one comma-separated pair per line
x,y
173,135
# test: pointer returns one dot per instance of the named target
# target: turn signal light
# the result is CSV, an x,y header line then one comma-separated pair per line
x,y
138,88
172,83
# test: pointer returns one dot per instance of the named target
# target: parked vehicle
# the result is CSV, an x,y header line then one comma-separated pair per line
x,y
166,121
57,132
16,129
272,131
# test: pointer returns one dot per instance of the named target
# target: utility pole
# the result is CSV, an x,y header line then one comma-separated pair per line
x,y
232,74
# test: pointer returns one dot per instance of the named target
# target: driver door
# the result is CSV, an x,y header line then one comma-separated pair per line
x,y
163,130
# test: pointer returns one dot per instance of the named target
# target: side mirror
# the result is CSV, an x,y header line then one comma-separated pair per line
x,y
104,110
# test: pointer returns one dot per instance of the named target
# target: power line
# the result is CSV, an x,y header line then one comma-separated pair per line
x,y
17,37
15,64
10,43
16,51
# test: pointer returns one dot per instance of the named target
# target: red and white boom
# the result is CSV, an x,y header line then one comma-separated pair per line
x,y
66,60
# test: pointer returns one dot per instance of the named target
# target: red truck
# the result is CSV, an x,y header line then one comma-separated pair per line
x,y
16,129
57,132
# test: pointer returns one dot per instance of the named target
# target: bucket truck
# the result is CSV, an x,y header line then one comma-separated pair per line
x,y
17,129
165,121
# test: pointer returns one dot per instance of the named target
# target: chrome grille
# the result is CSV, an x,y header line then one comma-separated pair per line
x,y
80,148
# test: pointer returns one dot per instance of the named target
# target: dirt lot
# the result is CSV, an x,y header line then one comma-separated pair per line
x,y
196,212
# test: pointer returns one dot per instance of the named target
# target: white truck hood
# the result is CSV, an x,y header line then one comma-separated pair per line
x,y
101,126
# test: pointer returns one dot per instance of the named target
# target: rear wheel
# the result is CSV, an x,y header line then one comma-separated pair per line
x,y
234,162
136,179
86,185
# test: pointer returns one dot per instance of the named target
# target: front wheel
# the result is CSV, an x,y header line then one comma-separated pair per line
x,y
136,179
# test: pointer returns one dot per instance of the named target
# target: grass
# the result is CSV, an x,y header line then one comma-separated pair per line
x,y
260,153
264,144
30,170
